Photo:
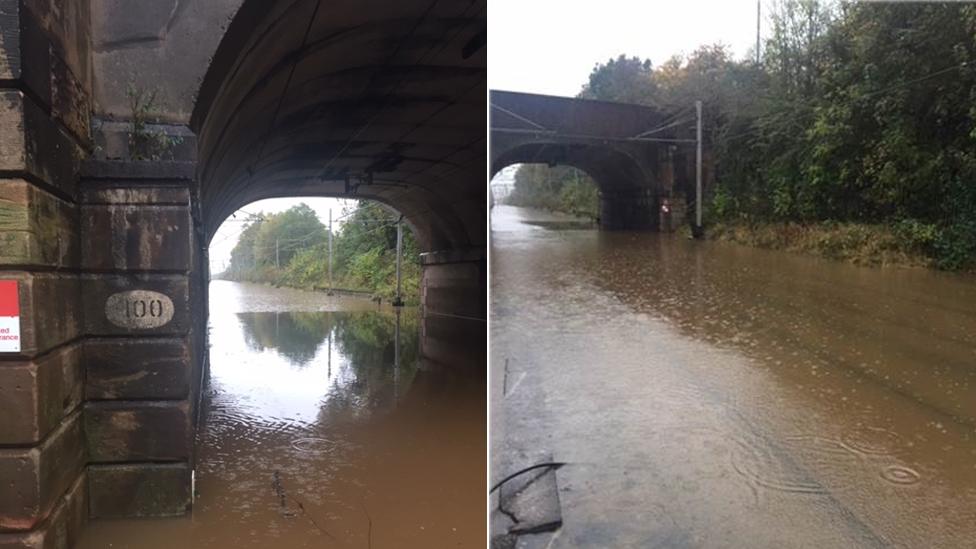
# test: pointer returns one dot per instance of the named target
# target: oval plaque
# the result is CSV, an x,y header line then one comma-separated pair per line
x,y
139,309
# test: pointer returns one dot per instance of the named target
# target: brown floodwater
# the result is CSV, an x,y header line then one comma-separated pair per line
x,y
322,427
707,394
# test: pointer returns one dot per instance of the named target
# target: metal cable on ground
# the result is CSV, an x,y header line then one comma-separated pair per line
x,y
551,464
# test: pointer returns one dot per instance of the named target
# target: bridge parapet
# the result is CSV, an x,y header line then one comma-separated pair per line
x,y
572,116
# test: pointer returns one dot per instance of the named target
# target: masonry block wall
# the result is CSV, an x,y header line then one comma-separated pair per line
x,y
97,408
454,308
634,209
45,83
138,256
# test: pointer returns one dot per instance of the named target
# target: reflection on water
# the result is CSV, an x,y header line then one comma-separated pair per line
x,y
323,428
330,366
359,342
364,337
713,395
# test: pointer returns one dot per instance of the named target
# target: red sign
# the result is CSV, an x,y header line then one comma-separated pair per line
x,y
9,317
9,300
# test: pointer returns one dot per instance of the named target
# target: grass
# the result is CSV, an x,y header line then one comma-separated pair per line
x,y
861,244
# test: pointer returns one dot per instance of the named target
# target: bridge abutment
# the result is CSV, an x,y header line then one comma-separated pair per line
x,y
454,307
143,351
631,210
45,98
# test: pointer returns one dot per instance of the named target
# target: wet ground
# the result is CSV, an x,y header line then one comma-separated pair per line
x,y
711,395
322,427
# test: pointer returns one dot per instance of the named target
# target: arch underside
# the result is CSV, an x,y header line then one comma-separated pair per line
x,y
351,99
629,188
613,170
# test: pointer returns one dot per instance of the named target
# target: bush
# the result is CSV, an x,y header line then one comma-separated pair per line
x,y
955,246
916,235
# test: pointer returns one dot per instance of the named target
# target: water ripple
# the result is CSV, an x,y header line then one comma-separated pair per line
x,y
872,440
899,474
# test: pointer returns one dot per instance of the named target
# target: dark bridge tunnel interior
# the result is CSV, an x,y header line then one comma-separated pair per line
x,y
629,191
611,169
344,99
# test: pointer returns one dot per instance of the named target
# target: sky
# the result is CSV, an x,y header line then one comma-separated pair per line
x,y
550,46
226,237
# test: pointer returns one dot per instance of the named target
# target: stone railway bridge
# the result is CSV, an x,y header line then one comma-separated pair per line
x,y
104,224
638,156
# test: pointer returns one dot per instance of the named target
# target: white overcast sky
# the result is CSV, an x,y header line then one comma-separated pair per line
x,y
550,46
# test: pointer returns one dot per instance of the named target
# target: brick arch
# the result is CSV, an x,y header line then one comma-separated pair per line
x,y
333,99
611,168
629,189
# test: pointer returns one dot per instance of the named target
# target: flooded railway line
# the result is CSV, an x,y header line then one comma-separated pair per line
x,y
712,395
322,426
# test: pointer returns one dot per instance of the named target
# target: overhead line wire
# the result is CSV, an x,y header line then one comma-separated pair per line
x,y
849,101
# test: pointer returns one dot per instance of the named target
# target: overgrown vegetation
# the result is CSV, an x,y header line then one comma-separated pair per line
x,y
859,114
144,143
859,243
291,249
561,188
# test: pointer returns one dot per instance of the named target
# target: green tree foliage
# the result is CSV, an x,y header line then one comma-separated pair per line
x,y
285,234
364,252
858,113
561,188
881,126
242,257
624,79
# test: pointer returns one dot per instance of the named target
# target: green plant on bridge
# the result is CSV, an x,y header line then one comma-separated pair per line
x,y
144,143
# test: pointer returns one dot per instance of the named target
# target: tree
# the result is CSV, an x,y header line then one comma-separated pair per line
x,y
624,79
242,256
284,234
858,113
364,251
562,188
